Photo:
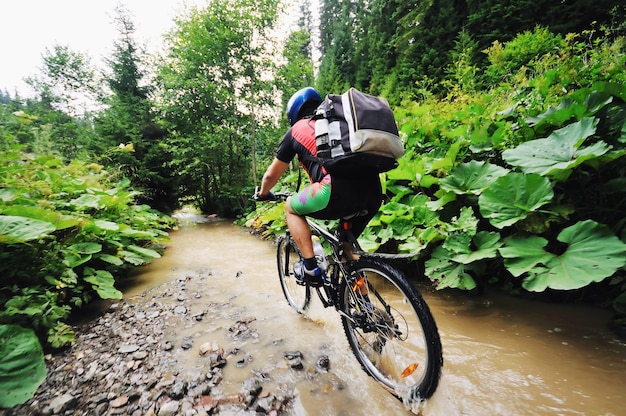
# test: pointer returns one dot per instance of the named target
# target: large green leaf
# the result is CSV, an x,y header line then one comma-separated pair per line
x,y
466,221
420,239
7,194
512,197
369,242
522,253
88,201
59,220
73,259
593,253
131,232
132,258
85,248
557,115
484,245
446,272
103,282
472,177
15,229
22,366
80,253
148,252
395,210
422,214
108,258
103,225
583,103
559,153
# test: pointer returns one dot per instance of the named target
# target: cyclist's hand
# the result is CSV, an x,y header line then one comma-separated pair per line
x,y
269,197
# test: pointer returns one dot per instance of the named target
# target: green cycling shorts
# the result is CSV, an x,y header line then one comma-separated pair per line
x,y
312,198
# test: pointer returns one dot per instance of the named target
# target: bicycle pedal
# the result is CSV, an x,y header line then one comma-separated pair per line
x,y
314,282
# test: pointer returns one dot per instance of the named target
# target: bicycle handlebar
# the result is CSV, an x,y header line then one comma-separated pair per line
x,y
271,197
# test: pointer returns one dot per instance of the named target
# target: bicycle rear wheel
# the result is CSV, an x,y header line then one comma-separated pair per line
x,y
297,296
394,336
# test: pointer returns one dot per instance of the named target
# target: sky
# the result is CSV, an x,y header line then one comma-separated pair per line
x,y
29,27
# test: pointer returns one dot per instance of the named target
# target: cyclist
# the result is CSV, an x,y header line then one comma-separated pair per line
x,y
326,197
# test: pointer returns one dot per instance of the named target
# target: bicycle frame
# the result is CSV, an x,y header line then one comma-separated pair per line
x,y
337,268
386,320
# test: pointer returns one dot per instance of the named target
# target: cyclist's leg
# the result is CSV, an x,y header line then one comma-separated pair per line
x,y
312,198
358,194
300,231
371,197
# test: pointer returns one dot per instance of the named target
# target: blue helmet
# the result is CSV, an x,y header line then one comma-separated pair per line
x,y
308,96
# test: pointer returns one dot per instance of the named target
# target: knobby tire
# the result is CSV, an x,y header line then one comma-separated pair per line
x,y
398,344
297,296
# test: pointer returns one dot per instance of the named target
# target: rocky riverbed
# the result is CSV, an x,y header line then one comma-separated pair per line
x,y
150,355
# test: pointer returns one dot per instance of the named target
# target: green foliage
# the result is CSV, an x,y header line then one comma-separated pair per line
x,y
558,154
592,253
22,366
216,98
411,49
472,178
544,176
512,197
67,81
298,69
67,232
527,49
452,263
19,229
128,124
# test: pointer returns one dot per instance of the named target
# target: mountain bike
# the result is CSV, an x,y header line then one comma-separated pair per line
x,y
387,322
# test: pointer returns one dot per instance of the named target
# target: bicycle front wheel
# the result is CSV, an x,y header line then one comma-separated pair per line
x,y
297,296
391,330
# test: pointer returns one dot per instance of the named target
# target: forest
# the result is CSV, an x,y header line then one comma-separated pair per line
x,y
513,117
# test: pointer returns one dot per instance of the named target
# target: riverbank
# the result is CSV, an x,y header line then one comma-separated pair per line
x,y
132,360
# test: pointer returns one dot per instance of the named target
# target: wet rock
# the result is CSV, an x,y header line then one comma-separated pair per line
x,y
99,398
208,347
125,349
330,382
217,359
187,343
323,363
178,389
242,329
294,360
169,408
252,386
215,377
198,316
265,404
119,402
62,403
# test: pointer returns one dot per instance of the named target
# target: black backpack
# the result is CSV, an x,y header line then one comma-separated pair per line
x,y
356,131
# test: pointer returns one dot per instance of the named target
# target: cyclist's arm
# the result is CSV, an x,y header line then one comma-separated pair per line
x,y
271,176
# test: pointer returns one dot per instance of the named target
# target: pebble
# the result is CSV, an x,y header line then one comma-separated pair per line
x,y
62,403
169,409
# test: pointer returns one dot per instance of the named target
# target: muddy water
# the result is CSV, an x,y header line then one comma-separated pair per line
x,y
502,356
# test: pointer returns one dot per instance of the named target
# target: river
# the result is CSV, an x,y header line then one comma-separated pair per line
x,y
502,355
